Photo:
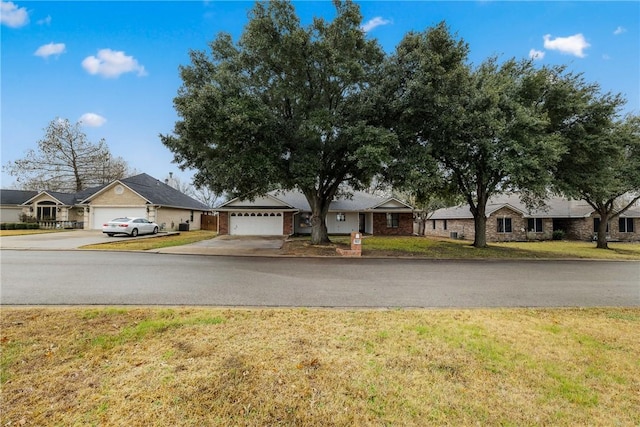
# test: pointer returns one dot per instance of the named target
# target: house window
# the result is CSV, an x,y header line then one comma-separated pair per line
x,y
433,224
444,224
596,225
504,225
340,217
393,220
625,225
534,225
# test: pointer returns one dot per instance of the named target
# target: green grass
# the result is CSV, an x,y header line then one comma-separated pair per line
x,y
461,249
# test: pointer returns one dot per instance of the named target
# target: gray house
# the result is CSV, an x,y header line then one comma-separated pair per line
x,y
288,212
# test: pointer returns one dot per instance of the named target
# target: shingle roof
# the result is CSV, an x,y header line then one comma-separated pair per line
x,y
358,201
155,191
555,207
15,197
159,193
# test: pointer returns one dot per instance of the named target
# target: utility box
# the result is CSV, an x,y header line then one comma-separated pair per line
x,y
183,226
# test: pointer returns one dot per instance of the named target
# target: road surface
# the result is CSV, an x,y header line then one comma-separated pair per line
x,y
126,278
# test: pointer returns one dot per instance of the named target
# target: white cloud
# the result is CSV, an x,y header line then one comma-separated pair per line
x,y
572,45
13,16
378,21
92,120
536,54
110,63
47,50
45,21
619,31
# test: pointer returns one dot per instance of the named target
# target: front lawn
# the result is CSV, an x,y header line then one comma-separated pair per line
x,y
156,242
263,367
428,247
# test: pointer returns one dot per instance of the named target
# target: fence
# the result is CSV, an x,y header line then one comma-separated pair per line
x,y
209,222
50,225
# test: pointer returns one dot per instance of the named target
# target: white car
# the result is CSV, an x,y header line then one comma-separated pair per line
x,y
129,226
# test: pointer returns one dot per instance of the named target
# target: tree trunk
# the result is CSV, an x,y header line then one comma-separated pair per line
x,y
480,225
319,232
602,232
480,219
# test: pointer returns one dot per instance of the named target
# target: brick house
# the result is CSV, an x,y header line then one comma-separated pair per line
x,y
288,212
508,219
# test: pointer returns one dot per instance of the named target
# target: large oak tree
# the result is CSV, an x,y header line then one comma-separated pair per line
x,y
485,128
285,107
601,164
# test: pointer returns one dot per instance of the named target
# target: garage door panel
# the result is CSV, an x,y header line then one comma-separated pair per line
x,y
255,224
102,215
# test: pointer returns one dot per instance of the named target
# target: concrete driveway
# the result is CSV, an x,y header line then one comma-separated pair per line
x,y
63,240
230,245
74,239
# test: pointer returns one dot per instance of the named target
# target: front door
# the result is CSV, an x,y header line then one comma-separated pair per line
x,y
362,226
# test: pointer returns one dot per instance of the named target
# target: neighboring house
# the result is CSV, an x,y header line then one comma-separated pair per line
x,y
509,219
288,212
136,196
10,204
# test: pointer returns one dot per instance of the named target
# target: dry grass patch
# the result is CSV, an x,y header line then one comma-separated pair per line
x,y
168,367
22,232
155,242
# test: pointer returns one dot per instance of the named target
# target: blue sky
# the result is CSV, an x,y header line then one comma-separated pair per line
x,y
114,64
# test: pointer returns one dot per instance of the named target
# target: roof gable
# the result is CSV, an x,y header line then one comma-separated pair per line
x,y
392,204
154,191
267,201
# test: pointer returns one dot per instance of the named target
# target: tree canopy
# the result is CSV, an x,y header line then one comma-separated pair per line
x,y
485,128
601,164
285,107
321,108
66,161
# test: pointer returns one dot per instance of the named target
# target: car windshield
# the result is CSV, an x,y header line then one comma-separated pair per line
x,y
120,220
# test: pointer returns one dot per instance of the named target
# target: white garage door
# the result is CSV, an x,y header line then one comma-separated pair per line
x,y
102,215
255,223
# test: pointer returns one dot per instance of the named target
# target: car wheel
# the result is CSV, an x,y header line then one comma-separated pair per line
x,y
110,234
134,232
155,230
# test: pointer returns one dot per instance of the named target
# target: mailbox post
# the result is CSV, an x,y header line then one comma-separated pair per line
x,y
356,242
356,246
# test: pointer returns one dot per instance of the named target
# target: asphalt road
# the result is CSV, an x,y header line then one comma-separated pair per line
x,y
119,278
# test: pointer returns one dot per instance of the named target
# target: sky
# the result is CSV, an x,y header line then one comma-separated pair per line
x,y
114,65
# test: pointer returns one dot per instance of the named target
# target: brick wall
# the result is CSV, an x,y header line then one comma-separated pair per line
x,y
405,225
582,229
463,227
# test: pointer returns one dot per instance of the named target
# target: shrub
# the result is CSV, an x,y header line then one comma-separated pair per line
x,y
558,235
27,218
33,226
10,226
21,225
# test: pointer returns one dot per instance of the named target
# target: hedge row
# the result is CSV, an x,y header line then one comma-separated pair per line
x,y
19,226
